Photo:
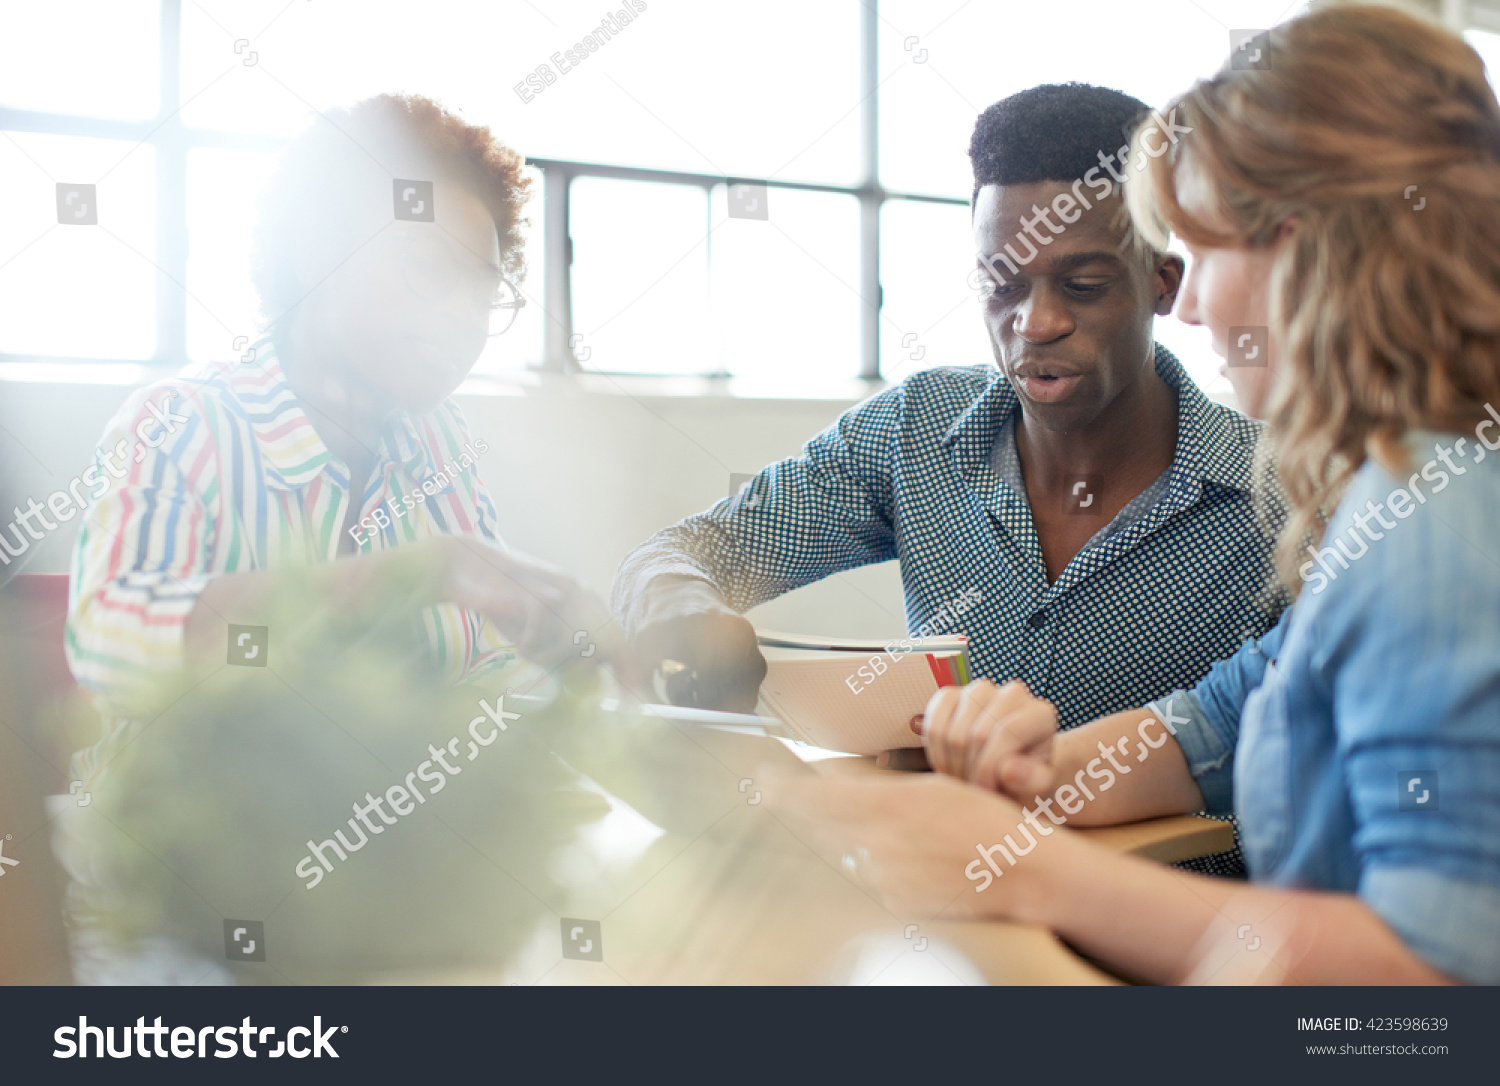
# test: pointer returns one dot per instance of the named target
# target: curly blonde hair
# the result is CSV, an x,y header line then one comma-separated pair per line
x,y
1386,318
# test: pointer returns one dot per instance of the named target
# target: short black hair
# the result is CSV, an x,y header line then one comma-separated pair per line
x,y
1054,132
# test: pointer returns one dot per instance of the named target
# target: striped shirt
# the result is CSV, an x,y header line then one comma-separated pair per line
x,y
222,472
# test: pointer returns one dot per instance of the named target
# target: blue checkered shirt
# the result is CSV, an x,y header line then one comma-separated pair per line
x,y
1144,609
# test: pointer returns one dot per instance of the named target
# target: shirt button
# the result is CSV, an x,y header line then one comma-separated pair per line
x,y
1038,620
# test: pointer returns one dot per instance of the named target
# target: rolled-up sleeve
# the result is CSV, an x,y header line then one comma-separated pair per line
x,y
795,522
1206,719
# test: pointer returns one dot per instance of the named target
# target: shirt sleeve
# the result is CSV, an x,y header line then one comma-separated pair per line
x,y
143,555
1407,643
490,661
797,521
1206,719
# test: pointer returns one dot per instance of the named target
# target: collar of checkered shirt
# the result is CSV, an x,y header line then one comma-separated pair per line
x,y
1215,443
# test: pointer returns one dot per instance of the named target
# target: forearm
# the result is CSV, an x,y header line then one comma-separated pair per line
x,y
796,522
672,573
1166,926
1138,781
648,602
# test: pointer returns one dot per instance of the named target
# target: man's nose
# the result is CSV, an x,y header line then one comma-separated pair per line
x,y
1042,317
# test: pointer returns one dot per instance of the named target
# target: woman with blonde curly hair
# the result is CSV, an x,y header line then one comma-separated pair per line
x,y
1343,210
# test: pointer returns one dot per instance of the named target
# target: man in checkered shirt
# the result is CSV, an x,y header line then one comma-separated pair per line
x,y
1083,487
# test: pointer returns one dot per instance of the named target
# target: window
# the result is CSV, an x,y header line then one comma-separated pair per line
x,y
931,315
651,134
640,276
94,58
786,288
222,305
85,291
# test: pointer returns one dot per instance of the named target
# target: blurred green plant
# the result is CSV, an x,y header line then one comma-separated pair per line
x,y
204,811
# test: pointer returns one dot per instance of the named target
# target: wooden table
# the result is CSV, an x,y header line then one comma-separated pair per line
x,y
728,894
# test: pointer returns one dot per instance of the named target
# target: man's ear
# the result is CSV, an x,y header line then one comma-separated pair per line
x,y
1169,272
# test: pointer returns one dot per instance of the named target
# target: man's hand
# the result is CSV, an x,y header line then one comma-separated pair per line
x,y
536,607
998,737
906,759
723,665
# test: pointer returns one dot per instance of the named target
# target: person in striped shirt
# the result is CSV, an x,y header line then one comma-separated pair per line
x,y
330,456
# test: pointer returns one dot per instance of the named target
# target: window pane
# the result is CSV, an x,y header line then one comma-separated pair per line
x,y
640,276
932,316
222,305
941,66
77,289
631,101
622,103
92,57
786,288
248,67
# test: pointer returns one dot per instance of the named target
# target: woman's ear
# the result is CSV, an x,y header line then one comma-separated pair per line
x,y
1169,272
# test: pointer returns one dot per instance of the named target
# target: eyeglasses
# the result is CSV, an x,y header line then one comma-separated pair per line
x,y
506,302
437,277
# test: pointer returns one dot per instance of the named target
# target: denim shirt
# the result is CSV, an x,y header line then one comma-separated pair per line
x,y
1359,741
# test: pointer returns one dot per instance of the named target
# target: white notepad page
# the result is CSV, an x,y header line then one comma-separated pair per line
x,y
808,690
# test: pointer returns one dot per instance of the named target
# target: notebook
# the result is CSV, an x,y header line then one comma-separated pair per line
x,y
857,696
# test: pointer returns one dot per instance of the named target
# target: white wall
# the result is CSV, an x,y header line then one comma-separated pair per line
x,y
580,471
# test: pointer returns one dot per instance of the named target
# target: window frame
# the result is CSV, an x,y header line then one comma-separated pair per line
x,y
173,140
